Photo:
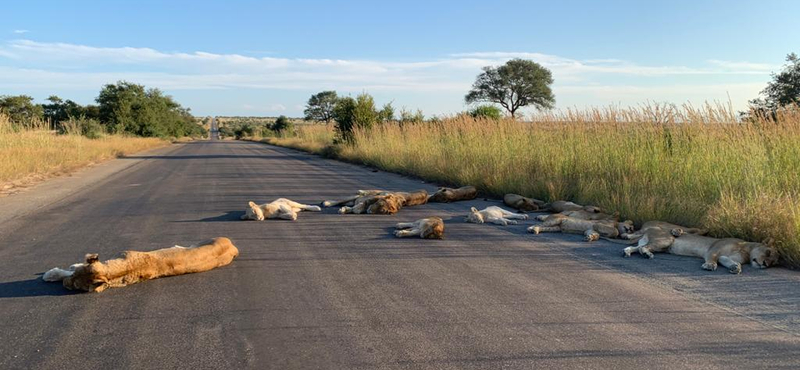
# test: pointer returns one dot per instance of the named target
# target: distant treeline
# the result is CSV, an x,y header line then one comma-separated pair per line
x,y
122,108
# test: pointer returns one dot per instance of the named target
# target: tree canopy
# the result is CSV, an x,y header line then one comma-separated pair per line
x,y
320,106
516,84
784,89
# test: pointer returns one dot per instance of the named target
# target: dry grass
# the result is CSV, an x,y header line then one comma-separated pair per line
x,y
315,139
30,154
692,166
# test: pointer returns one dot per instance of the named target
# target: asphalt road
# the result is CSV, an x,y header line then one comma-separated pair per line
x,y
333,291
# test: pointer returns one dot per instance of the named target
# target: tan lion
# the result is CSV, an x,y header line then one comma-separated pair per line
x,y
591,229
523,204
657,237
730,252
426,228
134,267
584,215
564,206
378,201
280,208
495,215
447,195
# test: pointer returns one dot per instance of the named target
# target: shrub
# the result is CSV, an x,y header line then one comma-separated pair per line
x,y
486,112
283,124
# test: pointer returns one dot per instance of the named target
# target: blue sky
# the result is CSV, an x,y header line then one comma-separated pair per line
x,y
266,58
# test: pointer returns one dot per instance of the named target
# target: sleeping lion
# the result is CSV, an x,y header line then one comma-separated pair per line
x,y
134,267
447,195
281,208
495,215
378,201
426,228
591,229
523,204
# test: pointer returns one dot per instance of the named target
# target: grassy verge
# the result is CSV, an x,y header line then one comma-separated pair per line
x,y
696,167
30,155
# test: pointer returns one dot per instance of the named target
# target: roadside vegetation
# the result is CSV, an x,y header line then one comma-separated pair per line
x,y
736,173
59,136
35,151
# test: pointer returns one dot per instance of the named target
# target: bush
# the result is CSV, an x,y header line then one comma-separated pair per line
x,y
486,112
89,128
350,113
283,124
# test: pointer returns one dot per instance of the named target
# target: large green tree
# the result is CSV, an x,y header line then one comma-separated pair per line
x,y
320,106
514,85
784,89
350,113
21,109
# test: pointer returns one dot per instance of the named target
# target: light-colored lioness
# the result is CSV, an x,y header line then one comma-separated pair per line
x,y
426,228
591,229
495,215
523,204
378,201
730,252
281,208
447,195
134,267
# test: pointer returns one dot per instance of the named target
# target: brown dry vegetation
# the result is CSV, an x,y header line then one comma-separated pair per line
x,y
35,152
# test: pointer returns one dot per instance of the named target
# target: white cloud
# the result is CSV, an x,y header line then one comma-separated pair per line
x,y
20,32
27,64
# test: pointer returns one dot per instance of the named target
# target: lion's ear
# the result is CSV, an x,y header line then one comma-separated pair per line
x,y
252,204
92,258
473,209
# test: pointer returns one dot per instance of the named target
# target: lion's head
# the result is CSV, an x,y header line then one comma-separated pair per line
x,y
435,229
763,255
441,195
626,227
253,212
474,216
88,276
386,205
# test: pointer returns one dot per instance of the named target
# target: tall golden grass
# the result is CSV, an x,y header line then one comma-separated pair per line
x,y
687,165
34,151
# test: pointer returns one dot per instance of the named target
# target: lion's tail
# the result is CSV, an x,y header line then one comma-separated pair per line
x,y
623,242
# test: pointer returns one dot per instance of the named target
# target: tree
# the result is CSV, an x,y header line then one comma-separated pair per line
x,y
784,89
21,109
516,84
320,106
407,116
350,113
387,113
60,110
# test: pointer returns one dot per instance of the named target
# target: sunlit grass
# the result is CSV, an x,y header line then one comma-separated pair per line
x,y
36,151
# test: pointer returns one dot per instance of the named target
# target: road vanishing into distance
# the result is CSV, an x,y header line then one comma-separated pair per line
x,y
332,291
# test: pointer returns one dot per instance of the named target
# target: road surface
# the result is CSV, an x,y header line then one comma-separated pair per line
x,y
333,291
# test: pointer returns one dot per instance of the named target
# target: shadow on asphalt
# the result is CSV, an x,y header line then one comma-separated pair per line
x,y
32,288
228,216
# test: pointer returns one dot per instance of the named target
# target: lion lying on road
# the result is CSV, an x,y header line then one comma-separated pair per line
x,y
279,208
584,215
447,195
660,237
523,204
564,206
426,228
495,215
96,276
378,201
592,229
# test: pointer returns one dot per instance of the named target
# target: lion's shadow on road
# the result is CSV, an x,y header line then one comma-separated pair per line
x,y
32,288
227,216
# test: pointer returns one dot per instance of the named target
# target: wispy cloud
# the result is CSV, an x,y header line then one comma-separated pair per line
x,y
31,64
20,32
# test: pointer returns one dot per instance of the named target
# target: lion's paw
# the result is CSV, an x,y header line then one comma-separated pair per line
x,y
314,209
524,217
343,210
591,237
736,269
627,251
534,230
709,266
